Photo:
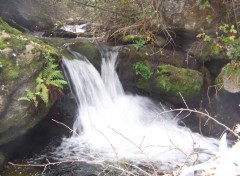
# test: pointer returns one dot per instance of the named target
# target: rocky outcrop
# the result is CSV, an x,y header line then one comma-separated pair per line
x,y
189,15
21,59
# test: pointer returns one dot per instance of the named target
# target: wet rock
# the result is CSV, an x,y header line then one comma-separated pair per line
x,y
169,82
59,33
75,168
89,50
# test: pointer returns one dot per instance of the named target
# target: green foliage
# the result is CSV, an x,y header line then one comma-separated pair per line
x,y
139,44
227,40
48,82
209,19
204,5
204,36
226,28
143,70
1,65
30,97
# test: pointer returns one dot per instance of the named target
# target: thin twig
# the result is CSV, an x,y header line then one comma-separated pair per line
x,y
71,130
204,114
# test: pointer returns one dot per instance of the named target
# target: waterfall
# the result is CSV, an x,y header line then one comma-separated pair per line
x,y
112,125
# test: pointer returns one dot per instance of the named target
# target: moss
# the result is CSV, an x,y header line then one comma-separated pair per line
x,y
5,27
172,81
232,69
209,51
3,45
89,50
232,73
9,70
48,49
131,38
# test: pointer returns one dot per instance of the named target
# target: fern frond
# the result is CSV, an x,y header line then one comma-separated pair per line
x,y
49,68
56,74
39,79
43,94
58,83
24,99
30,94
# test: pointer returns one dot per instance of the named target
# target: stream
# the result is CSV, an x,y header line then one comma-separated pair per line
x,y
113,132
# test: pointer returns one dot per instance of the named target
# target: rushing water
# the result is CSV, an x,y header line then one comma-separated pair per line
x,y
111,125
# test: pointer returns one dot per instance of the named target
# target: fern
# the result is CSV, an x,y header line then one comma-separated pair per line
x,y
58,83
55,74
49,82
43,93
30,97
24,99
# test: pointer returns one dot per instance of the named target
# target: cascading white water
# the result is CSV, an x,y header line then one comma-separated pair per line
x,y
112,125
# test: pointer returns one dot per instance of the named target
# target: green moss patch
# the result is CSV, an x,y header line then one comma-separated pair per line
x,y
9,70
229,78
211,50
5,27
172,80
132,38
17,43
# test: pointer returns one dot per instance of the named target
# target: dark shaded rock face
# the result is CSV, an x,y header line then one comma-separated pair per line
x,y
35,15
20,14
224,107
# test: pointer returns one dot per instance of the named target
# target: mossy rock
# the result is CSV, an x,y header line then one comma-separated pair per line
x,y
229,78
5,27
89,50
131,38
21,58
211,50
169,81
20,53
206,51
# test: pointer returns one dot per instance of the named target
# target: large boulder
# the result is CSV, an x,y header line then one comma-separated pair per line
x,y
152,57
21,59
175,84
189,15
